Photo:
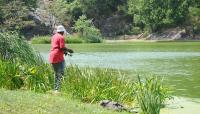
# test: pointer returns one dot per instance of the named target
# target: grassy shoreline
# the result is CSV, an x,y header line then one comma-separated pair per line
x,y
28,102
129,47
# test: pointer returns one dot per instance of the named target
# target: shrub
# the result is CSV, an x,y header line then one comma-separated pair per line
x,y
74,39
87,30
93,36
136,31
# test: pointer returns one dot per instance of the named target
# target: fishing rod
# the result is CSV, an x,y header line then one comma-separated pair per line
x,y
87,54
70,54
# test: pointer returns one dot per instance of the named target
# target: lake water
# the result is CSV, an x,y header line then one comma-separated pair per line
x,y
180,70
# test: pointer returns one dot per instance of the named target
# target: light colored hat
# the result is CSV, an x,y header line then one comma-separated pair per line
x,y
60,28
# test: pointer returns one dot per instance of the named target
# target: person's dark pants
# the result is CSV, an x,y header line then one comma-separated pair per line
x,y
59,72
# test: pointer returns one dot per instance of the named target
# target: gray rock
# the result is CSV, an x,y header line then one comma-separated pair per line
x,y
112,105
117,106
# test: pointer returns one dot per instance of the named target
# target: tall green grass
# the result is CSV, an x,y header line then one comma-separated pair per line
x,y
38,78
150,94
92,85
21,66
87,84
14,47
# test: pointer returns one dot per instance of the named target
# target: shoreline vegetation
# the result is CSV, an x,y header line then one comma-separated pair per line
x,y
79,40
129,47
86,84
23,102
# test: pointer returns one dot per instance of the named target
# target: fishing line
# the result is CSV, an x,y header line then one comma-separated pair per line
x,y
87,54
69,55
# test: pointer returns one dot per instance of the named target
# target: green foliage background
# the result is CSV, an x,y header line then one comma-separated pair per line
x,y
148,15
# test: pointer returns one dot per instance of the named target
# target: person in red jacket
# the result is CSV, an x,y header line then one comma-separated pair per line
x,y
57,52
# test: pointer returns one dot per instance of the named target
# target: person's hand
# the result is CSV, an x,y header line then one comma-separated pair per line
x,y
70,50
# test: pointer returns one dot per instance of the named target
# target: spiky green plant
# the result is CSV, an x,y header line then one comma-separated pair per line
x,y
21,66
150,95
14,47
92,85
38,78
7,75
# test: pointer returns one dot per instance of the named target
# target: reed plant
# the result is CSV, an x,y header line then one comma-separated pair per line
x,y
37,78
150,94
7,75
95,84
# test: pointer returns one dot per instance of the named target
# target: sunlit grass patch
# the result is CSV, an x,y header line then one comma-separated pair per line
x,y
27,102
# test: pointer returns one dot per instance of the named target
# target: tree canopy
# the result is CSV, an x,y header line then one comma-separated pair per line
x,y
14,13
148,15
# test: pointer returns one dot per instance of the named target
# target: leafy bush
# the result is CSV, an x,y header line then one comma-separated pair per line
x,y
74,39
135,31
87,30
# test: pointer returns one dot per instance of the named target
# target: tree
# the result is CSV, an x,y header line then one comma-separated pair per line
x,y
87,30
29,3
14,13
156,14
177,11
100,8
15,16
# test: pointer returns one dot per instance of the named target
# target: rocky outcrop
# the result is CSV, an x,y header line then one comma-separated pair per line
x,y
169,34
44,21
